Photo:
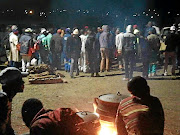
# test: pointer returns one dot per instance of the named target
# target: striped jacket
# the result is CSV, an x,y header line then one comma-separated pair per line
x,y
140,117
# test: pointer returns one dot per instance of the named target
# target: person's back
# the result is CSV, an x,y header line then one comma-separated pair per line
x,y
62,121
141,113
56,43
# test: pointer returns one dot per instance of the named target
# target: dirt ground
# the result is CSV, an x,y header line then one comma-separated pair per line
x,y
80,92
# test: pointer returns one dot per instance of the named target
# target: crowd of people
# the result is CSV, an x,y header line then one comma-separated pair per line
x,y
140,113
92,50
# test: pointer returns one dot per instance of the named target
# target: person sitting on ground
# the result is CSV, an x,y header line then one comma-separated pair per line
x,y
12,83
62,121
140,114
3,112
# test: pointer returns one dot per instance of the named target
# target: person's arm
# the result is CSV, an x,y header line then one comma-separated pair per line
x,y
120,125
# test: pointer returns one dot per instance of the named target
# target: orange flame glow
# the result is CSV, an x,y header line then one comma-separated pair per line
x,y
107,128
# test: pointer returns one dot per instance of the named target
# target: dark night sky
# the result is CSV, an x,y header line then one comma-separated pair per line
x,y
125,7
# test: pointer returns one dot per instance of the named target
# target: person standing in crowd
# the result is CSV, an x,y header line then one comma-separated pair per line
x,y
141,113
74,49
26,49
48,47
148,28
129,49
12,83
56,49
93,54
66,59
154,45
14,56
136,32
61,121
119,44
104,41
111,47
170,52
41,47
83,59
145,53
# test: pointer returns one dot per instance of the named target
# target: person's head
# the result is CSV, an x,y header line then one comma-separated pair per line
x,y
99,29
28,30
135,26
59,31
149,24
29,109
76,32
172,29
43,30
129,29
138,86
67,30
117,31
3,112
11,80
105,28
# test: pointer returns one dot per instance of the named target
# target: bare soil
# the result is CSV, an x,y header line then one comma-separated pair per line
x,y
80,92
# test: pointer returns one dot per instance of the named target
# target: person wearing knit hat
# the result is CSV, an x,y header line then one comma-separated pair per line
x,y
73,51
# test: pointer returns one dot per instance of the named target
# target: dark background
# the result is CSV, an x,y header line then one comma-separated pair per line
x,y
92,12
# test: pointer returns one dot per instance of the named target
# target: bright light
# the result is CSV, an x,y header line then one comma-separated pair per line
x,y
169,12
146,14
152,17
178,14
30,12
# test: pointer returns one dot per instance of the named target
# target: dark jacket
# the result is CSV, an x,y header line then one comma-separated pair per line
x,y
62,121
56,43
172,41
73,46
26,42
104,39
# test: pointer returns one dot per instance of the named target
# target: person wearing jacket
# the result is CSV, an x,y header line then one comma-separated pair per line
x,y
14,56
12,83
26,42
61,121
172,42
93,54
73,51
141,113
56,45
104,41
129,49
118,43
66,59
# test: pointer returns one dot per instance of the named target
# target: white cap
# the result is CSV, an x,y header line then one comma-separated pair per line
x,y
43,30
172,28
28,30
76,32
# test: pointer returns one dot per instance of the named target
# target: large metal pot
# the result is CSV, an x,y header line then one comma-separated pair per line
x,y
107,105
91,124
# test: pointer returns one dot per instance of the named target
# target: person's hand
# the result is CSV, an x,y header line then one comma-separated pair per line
x,y
119,52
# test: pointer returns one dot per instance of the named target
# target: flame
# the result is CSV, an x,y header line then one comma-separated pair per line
x,y
107,128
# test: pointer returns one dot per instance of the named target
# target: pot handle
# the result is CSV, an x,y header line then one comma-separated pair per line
x,y
118,93
96,101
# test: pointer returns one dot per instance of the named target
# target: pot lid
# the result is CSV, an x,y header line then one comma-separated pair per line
x,y
115,98
88,116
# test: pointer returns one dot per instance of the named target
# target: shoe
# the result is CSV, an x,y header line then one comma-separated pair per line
x,y
77,74
165,74
92,74
153,74
72,77
125,79
97,75
149,75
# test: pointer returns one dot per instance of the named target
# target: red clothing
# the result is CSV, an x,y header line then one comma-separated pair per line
x,y
140,117
62,121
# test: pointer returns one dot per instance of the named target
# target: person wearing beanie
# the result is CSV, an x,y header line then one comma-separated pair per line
x,y
14,56
12,83
56,48
73,51
140,113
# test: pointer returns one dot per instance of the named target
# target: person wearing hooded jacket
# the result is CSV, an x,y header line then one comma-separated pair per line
x,y
129,49
104,41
